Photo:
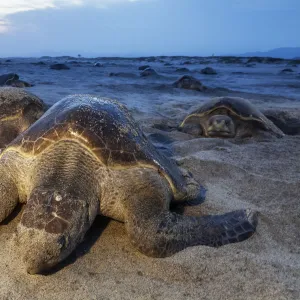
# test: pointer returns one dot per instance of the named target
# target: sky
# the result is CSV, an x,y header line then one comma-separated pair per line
x,y
146,27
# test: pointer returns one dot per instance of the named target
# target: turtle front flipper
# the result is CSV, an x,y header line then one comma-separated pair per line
x,y
193,125
54,222
163,233
8,194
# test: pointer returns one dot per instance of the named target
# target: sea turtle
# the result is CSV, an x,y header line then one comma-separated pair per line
x,y
148,72
86,156
8,79
59,67
18,110
209,71
12,79
228,117
189,83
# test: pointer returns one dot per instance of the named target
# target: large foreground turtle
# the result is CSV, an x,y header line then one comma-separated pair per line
x,y
18,110
228,117
86,156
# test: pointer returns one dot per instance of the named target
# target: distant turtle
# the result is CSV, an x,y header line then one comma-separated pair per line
x,y
208,71
59,67
18,110
86,156
148,72
98,64
286,71
8,79
144,67
228,117
189,83
182,70
12,79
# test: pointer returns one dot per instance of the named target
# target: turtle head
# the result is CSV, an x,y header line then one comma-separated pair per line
x,y
220,126
53,223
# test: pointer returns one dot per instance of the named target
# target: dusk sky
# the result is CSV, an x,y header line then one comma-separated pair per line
x,y
146,27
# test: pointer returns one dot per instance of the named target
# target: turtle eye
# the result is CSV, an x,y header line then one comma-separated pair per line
x,y
227,122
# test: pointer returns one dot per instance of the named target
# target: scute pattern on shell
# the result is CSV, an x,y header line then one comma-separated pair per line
x,y
14,100
105,127
241,107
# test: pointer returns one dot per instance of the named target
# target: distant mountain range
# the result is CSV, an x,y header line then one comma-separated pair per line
x,y
287,52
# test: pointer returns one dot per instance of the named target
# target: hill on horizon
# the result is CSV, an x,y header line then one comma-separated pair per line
x,y
284,52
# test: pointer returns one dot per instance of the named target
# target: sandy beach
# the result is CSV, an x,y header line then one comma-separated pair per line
x,y
258,173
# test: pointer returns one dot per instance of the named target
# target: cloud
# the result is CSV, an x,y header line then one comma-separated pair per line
x,y
16,6
4,25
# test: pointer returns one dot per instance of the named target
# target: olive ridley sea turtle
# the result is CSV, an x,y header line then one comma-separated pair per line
x,y
18,110
228,117
86,156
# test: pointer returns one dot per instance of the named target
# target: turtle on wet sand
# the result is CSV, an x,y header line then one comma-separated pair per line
x,y
189,83
86,156
18,110
228,117
12,79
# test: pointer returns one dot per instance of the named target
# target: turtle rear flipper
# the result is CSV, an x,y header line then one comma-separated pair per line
x,y
286,120
270,126
163,233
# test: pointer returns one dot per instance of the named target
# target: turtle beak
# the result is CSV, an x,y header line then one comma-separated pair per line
x,y
217,126
220,127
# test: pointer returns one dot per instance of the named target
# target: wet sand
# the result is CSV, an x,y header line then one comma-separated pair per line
x,y
262,174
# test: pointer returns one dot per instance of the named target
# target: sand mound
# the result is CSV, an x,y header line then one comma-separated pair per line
x,y
262,174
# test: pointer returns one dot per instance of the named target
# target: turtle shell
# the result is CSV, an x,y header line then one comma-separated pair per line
x,y
238,107
8,79
105,128
13,102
